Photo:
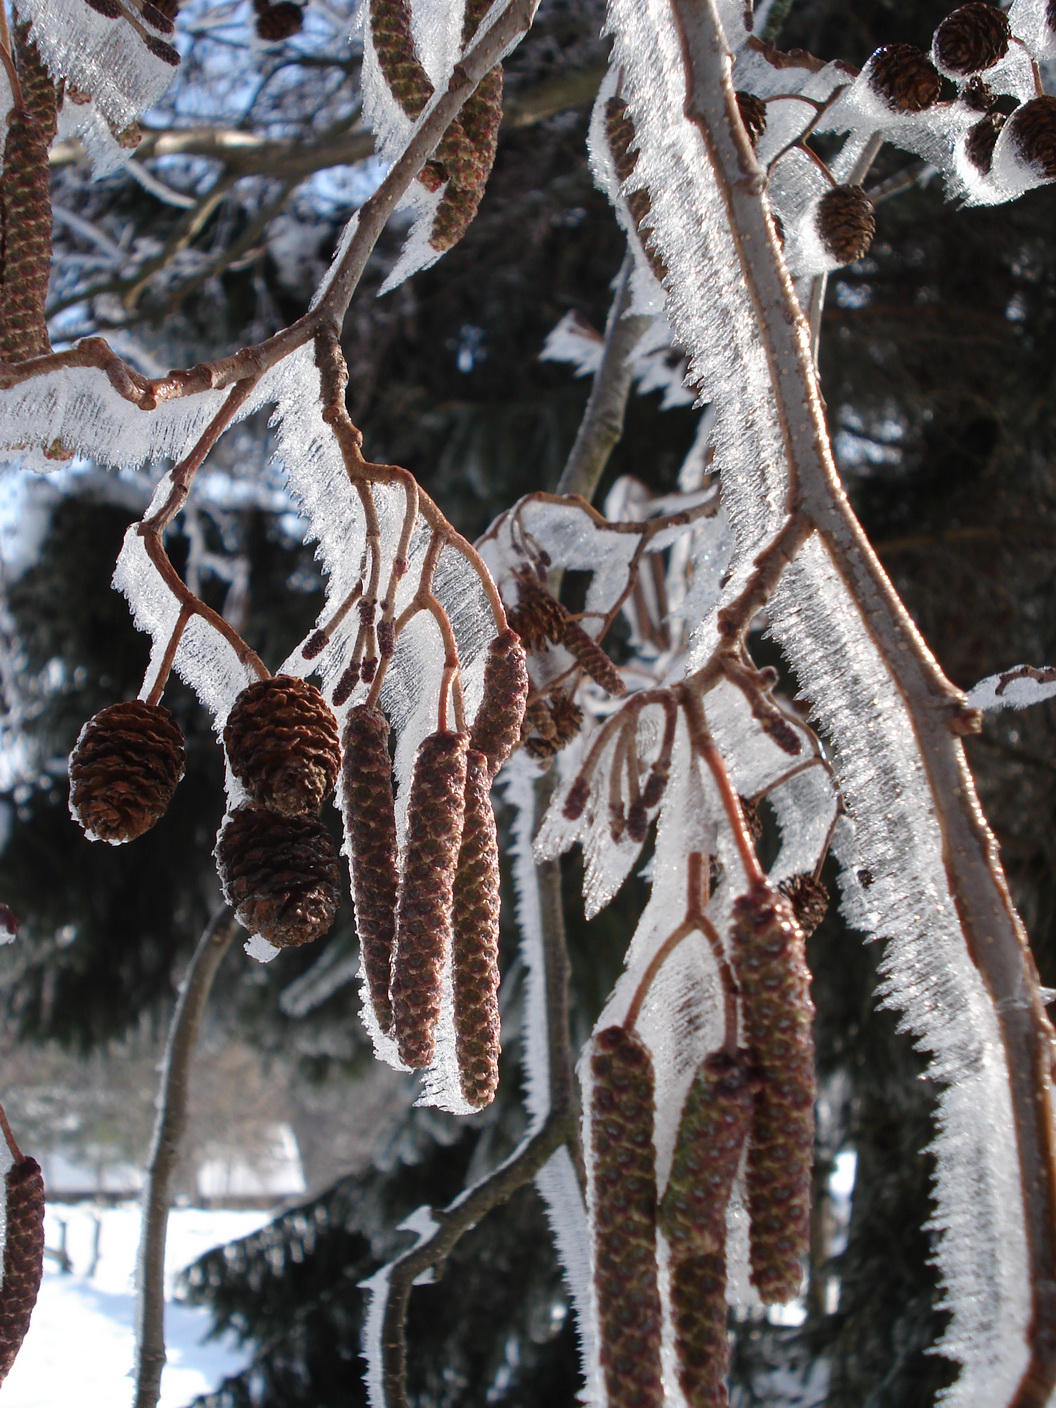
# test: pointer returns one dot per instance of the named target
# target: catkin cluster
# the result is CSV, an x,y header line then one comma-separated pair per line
x,y
437,904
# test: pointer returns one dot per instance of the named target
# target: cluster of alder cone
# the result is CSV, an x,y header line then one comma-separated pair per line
x,y
278,865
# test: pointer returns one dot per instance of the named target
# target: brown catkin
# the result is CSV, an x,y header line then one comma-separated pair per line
x,y
26,206
774,982
497,726
124,769
711,1135
38,91
698,1314
23,1256
370,826
423,908
390,28
591,658
281,740
475,940
623,1194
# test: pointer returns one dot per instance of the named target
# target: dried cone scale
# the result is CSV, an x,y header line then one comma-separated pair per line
x,y
974,37
280,874
423,912
623,1194
846,223
23,1256
904,77
281,740
124,769
370,826
475,941
774,982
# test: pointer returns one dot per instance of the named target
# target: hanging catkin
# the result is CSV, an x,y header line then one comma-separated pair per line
x,y
698,1313
423,911
23,1256
774,982
475,940
497,726
26,204
370,825
624,1219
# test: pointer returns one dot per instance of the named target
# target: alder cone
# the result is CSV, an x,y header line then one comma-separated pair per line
x,y
711,1134
698,1312
971,39
497,726
809,900
904,77
23,1256
370,825
624,1218
1033,130
846,223
279,21
475,940
981,140
124,769
753,115
280,874
423,908
774,982
281,739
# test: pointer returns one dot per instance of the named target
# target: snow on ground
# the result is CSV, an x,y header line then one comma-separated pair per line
x,y
80,1344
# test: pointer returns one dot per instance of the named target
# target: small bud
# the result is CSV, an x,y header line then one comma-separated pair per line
x,y
165,52
809,900
278,22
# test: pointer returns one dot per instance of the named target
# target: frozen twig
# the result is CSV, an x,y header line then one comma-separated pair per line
x,y
169,1129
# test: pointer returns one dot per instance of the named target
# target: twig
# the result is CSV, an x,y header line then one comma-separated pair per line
x,y
602,424
169,1129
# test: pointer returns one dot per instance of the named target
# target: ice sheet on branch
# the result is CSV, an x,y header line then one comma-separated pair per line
x,y
1015,688
107,59
656,365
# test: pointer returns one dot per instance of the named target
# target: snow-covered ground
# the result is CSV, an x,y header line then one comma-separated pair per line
x,y
80,1343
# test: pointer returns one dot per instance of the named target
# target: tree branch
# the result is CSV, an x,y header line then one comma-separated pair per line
x,y
169,1129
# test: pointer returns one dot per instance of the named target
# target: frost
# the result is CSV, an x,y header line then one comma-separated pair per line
x,y
1015,688
260,949
558,1185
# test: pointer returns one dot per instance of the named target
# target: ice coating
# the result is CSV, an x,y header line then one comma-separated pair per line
x,y
104,57
1015,688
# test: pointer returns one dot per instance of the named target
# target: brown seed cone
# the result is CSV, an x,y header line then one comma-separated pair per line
x,y
497,726
624,1219
971,39
423,909
698,1312
475,940
280,874
279,21
390,27
711,1135
124,769
904,77
538,616
1033,130
753,115
26,205
809,900
38,91
846,223
567,718
23,1257
981,140
281,740
774,982
169,8
370,825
